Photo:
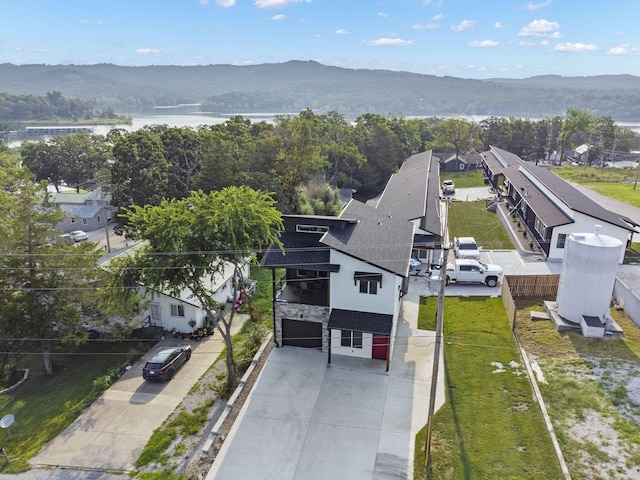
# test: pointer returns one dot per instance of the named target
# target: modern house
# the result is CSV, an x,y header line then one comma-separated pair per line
x,y
83,211
344,276
343,280
413,194
548,205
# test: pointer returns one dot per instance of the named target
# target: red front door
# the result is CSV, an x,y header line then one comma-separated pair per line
x,y
380,346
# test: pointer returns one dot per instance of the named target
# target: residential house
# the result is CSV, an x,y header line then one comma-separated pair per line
x,y
83,211
549,206
184,313
460,163
343,280
413,195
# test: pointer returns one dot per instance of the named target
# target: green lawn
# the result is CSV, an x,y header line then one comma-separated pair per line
x,y
471,219
45,405
490,427
467,179
616,183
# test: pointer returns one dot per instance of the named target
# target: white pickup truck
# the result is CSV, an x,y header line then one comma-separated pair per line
x,y
473,271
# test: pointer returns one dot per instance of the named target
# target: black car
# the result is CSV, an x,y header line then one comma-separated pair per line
x,y
166,362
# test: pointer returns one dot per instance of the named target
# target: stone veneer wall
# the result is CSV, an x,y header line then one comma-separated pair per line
x,y
306,313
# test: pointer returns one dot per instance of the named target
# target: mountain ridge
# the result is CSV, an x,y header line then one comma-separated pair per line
x,y
299,84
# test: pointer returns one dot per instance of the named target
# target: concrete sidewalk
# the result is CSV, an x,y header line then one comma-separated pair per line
x,y
352,420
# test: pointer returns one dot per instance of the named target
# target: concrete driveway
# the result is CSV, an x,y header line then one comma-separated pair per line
x,y
111,434
352,420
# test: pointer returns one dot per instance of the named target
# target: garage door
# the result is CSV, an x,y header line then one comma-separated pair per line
x,y
301,334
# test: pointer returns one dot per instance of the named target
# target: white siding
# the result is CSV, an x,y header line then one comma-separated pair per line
x,y
345,293
585,224
364,352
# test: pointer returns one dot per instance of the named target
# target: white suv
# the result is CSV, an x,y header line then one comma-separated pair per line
x,y
466,247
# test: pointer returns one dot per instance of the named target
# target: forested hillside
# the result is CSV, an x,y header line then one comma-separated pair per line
x,y
297,85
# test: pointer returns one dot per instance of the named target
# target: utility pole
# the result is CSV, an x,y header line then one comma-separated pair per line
x,y
439,315
104,218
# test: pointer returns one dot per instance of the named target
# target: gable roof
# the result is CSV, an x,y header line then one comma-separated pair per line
x,y
413,193
543,189
375,237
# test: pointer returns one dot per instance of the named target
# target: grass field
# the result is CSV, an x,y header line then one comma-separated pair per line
x,y
490,427
616,183
466,179
471,219
45,405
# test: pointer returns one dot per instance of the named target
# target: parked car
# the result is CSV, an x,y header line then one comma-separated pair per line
x,y
473,271
414,264
79,236
466,247
448,187
164,364
67,239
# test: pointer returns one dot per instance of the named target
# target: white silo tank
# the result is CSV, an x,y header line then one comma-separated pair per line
x,y
588,275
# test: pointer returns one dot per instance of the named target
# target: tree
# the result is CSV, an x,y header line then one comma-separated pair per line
x,y
42,281
455,134
188,241
140,171
575,122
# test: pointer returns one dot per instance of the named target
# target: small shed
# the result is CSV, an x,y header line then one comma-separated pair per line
x,y
592,327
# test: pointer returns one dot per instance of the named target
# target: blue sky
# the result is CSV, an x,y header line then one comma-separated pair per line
x,y
460,38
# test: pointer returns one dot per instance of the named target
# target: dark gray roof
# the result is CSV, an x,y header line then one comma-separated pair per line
x,y
376,238
302,250
544,208
361,321
574,198
526,177
413,193
405,195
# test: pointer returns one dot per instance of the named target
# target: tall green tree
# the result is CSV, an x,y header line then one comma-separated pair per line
x,y
140,171
43,283
576,124
455,134
189,241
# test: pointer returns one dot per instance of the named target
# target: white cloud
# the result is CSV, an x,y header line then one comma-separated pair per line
x,y
497,25
625,49
277,3
483,43
464,25
342,31
426,26
382,14
556,35
537,6
575,47
278,17
32,50
541,43
393,42
148,51
538,28
437,18
221,3
91,22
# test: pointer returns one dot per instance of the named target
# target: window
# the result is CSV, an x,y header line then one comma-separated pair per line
x,y
351,338
368,286
540,228
108,214
85,221
562,237
368,282
99,219
177,310
311,228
